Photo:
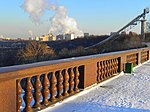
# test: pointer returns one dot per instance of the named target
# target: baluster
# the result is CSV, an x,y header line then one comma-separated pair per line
x,y
116,70
66,83
127,59
105,69
98,71
60,85
102,76
77,74
104,64
108,68
71,81
53,88
19,92
135,60
143,57
117,65
134,63
37,92
28,95
45,90
110,64
113,66
147,55
130,56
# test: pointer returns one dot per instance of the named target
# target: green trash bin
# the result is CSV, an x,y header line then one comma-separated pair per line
x,y
129,68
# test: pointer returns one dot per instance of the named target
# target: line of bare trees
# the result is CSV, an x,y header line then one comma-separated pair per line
x,y
36,51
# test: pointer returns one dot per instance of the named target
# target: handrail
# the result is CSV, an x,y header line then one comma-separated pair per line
x,y
53,62
18,71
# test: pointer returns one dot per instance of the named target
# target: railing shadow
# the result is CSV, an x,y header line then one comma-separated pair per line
x,y
91,107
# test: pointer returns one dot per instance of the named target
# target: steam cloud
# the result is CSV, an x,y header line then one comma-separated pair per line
x,y
60,23
35,9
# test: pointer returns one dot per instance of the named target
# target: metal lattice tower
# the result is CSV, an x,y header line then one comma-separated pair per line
x,y
140,18
148,27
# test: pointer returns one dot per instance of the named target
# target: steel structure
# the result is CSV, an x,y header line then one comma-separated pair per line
x,y
140,18
148,27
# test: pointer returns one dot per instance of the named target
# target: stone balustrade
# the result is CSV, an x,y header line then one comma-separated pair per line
x,y
33,87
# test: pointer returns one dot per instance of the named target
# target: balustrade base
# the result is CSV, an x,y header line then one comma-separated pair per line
x,y
56,101
107,78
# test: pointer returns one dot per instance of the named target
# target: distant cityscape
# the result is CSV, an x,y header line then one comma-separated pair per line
x,y
48,37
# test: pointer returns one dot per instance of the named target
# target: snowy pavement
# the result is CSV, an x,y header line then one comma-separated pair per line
x,y
127,93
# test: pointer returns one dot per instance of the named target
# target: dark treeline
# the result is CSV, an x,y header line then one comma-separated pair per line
x,y
8,56
44,51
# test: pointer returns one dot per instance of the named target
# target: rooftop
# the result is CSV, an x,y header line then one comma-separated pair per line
x,y
123,93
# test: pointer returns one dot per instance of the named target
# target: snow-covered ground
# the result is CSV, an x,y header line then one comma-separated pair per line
x,y
127,93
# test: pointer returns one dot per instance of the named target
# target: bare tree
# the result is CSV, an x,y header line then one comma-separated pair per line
x,y
35,52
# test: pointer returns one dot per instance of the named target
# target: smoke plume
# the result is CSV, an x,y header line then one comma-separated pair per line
x,y
35,9
60,23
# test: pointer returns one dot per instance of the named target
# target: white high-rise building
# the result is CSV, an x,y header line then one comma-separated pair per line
x,y
69,36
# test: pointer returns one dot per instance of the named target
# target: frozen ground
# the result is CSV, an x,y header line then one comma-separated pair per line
x,y
127,93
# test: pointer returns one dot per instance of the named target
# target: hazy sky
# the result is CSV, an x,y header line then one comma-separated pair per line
x,y
93,16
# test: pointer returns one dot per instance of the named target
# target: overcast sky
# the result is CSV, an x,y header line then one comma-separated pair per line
x,y
93,16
